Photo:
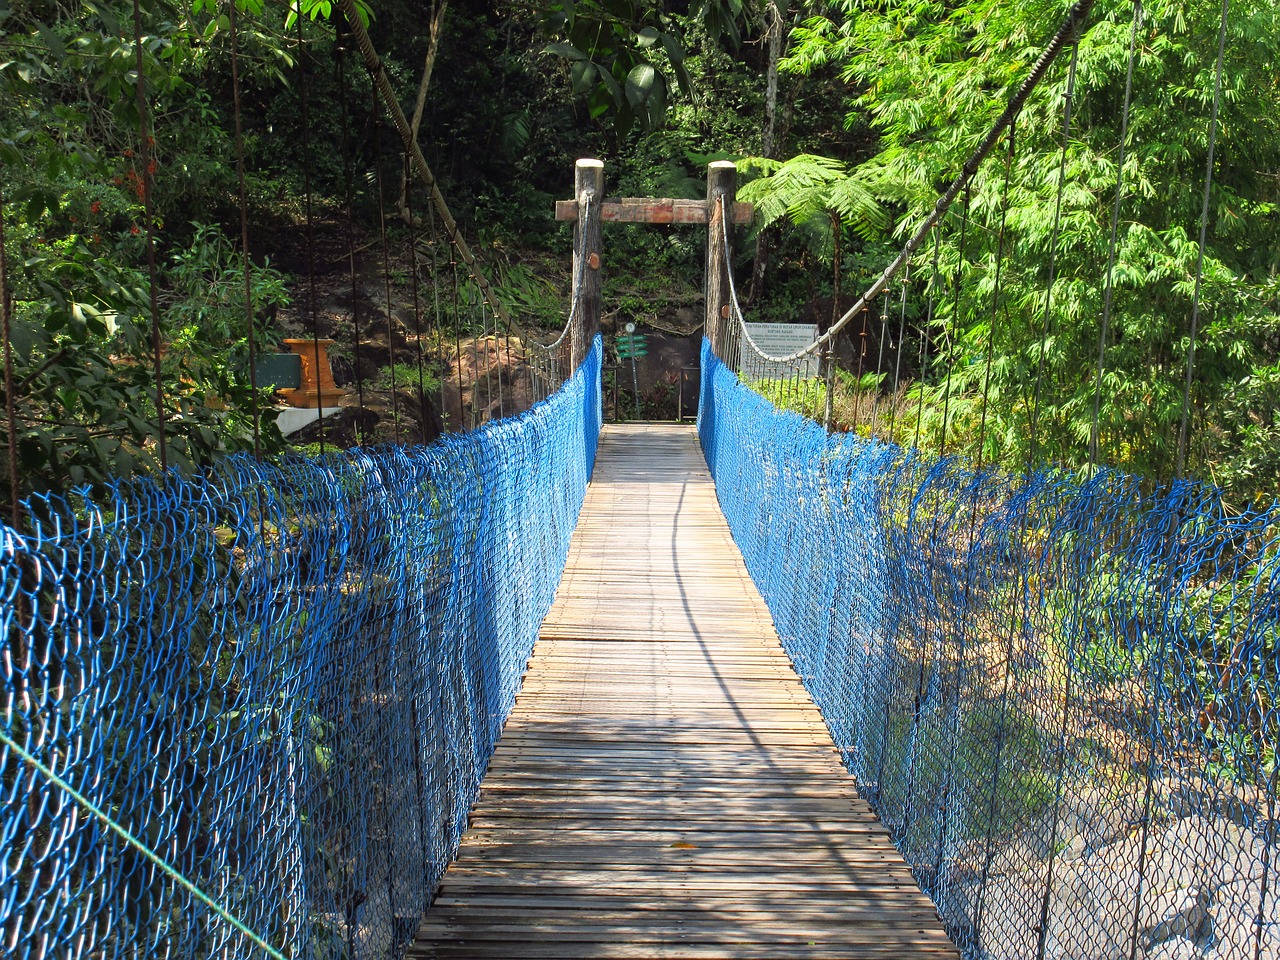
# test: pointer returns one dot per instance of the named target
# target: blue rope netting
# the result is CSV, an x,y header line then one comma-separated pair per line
x,y
286,679
1061,696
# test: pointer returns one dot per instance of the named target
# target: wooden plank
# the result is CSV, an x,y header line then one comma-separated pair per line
x,y
653,210
797,950
665,786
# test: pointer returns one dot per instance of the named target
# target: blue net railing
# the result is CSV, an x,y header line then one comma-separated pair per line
x,y
284,679
1059,694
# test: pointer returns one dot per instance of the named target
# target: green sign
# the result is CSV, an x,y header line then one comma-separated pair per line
x,y
632,346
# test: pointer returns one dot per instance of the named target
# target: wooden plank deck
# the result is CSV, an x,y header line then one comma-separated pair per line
x,y
665,786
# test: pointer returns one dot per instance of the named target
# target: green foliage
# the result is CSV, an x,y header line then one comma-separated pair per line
x,y
312,9
931,79
627,58
809,188
74,184
408,376
799,396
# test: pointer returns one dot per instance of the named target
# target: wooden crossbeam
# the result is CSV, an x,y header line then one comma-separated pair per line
x,y
651,210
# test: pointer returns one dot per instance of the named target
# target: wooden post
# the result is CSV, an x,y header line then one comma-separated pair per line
x,y
722,181
588,238
590,210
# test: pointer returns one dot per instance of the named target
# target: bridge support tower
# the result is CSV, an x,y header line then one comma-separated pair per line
x,y
588,238
722,181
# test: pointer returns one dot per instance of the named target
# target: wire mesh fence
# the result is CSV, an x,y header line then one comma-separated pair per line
x,y
285,680
1059,694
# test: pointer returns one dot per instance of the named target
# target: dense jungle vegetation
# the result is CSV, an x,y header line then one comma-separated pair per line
x,y
847,117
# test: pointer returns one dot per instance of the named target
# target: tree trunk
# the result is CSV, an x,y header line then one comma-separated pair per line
x,y
437,22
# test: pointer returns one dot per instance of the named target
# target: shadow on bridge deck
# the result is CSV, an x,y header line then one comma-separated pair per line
x,y
665,787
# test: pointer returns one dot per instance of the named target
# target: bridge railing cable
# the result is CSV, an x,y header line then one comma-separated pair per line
x,y
254,706
1061,695
550,362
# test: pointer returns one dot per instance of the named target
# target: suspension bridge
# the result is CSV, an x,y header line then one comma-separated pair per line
x,y
552,687
665,785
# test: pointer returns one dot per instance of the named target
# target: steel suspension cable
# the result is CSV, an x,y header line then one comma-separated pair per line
x,y
476,417
862,359
897,360
1054,237
457,335
385,90
976,475
436,314
1204,225
308,159
1108,293
417,301
386,268
256,413
955,319
10,408
348,169
928,327
144,182
884,330
995,301
1018,595
1060,757
488,366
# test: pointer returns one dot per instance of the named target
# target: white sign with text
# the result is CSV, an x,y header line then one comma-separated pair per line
x,y
778,340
